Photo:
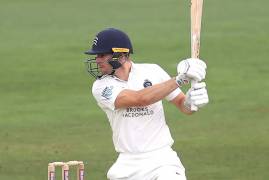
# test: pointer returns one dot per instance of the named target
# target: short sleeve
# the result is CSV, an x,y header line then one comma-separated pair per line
x,y
106,92
165,76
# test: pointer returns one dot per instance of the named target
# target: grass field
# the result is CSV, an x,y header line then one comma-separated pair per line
x,y
47,112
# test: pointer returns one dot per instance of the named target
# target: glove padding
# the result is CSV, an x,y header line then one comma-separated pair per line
x,y
193,69
197,95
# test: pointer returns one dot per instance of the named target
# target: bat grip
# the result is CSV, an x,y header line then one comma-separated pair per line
x,y
193,107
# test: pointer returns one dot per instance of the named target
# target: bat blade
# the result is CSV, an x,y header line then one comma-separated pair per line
x,y
196,21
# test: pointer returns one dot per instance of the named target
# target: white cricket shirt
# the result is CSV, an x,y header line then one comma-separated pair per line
x,y
135,129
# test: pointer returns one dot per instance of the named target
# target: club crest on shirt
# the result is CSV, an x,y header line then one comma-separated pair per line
x,y
107,92
147,83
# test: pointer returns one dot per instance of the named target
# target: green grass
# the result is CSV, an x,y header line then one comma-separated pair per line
x,y
47,112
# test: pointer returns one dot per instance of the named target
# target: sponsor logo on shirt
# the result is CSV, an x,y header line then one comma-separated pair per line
x,y
137,112
107,92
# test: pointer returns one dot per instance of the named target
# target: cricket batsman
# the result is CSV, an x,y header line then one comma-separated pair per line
x,y
131,95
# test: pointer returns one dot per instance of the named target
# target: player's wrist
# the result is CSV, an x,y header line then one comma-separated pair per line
x,y
187,105
181,79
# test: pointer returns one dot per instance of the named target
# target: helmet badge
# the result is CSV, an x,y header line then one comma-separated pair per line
x,y
95,41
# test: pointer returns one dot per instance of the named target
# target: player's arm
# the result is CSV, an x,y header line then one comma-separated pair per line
x,y
192,69
146,96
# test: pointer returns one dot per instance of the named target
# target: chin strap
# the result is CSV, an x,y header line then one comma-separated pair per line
x,y
114,61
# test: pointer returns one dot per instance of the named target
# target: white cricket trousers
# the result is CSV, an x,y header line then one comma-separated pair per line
x,y
162,164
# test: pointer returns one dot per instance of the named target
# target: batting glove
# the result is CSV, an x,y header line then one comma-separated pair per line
x,y
193,69
197,95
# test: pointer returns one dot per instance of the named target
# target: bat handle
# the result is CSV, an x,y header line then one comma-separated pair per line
x,y
193,107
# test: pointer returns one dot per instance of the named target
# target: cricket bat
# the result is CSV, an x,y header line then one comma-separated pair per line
x,y
196,19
